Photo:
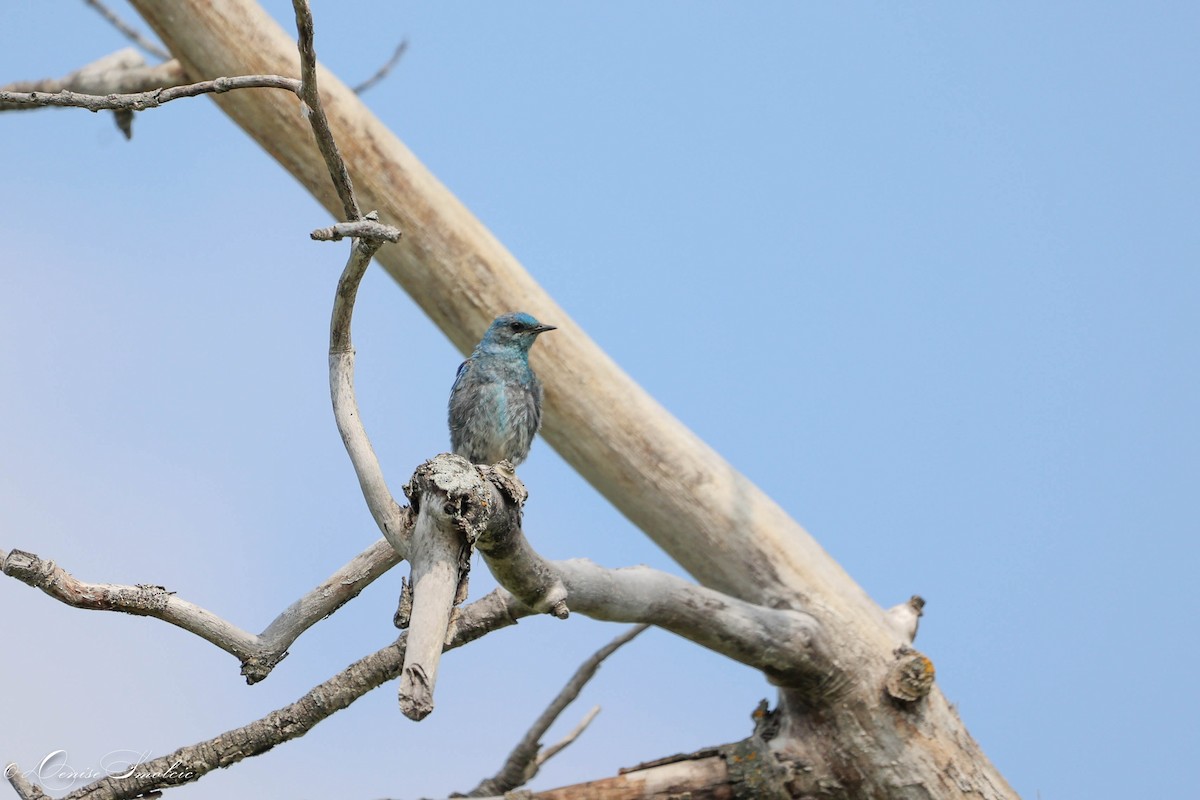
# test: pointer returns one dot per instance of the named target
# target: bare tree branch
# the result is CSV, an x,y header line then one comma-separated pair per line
x,y
140,101
128,31
528,756
124,71
317,118
187,764
367,228
786,645
258,654
383,71
550,752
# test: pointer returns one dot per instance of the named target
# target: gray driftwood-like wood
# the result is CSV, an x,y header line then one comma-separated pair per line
x,y
837,731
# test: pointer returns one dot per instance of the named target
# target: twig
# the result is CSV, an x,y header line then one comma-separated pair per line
x,y
121,72
525,759
550,752
140,101
320,123
188,764
366,228
258,654
383,71
128,31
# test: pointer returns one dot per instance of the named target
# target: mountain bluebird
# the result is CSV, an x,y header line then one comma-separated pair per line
x,y
496,402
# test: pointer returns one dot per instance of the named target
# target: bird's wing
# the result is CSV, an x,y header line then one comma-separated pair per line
x,y
458,400
462,370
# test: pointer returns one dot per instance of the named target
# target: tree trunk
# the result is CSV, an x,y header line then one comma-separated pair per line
x,y
842,737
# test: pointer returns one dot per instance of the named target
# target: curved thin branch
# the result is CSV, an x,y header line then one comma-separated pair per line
x,y
120,72
388,514
528,756
140,101
128,31
258,654
188,764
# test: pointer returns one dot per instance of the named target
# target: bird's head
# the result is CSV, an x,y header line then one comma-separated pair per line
x,y
512,331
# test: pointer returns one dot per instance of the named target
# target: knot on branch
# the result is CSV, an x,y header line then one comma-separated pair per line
x,y
464,497
28,568
259,666
911,677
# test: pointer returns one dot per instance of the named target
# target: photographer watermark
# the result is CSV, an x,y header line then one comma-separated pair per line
x,y
55,771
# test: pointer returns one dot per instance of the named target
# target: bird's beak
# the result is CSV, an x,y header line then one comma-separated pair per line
x,y
544,328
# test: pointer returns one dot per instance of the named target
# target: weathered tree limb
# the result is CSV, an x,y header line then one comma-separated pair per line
x,y
258,654
128,31
745,769
784,644
528,756
187,764
435,555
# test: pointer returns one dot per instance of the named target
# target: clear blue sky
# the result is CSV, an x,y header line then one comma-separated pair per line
x,y
926,273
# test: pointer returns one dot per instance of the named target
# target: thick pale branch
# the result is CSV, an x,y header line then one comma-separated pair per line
x,y
187,764
435,555
528,756
258,654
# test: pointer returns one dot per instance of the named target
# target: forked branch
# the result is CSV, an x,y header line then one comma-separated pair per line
x,y
528,756
786,645
188,764
258,654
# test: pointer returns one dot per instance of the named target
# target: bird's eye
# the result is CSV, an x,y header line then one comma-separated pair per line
x,y
516,326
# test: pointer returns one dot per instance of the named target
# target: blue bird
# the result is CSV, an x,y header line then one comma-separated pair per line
x,y
496,401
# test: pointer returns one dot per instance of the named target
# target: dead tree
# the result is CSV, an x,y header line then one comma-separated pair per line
x,y
858,713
